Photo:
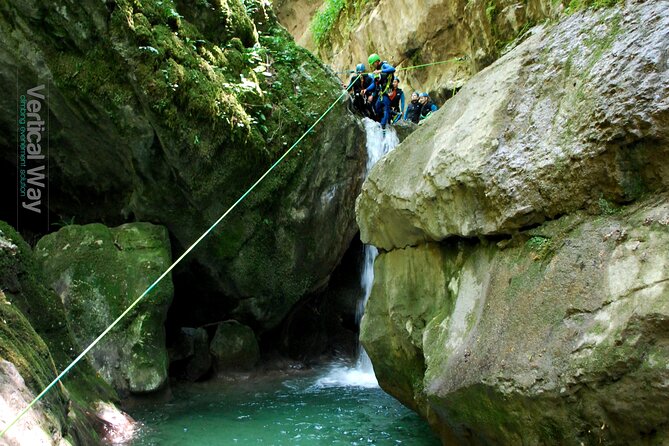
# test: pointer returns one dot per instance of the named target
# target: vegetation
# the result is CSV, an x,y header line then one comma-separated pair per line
x,y
606,208
347,12
577,5
540,246
325,20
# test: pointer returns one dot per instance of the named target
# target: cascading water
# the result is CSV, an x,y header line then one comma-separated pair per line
x,y
344,406
378,144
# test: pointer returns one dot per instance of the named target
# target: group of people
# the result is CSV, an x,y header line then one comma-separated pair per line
x,y
377,95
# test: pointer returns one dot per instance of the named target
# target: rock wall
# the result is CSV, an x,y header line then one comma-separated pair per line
x,y
167,112
414,33
575,116
522,293
560,337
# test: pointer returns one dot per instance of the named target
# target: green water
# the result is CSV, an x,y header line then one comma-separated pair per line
x,y
280,411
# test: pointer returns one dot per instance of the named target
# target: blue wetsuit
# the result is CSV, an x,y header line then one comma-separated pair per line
x,y
384,101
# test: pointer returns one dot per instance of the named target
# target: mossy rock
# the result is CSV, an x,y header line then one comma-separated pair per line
x,y
35,338
174,110
234,347
98,272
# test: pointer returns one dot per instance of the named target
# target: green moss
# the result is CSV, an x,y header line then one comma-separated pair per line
x,y
491,11
478,405
540,246
35,337
101,271
97,74
336,13
578,5
607,208
325,19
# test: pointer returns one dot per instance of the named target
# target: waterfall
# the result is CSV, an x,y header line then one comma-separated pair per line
x,y
378,144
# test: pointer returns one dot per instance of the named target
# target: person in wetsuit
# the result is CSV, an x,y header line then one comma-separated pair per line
x,y
357,86
396,96
384,73
427,106
413,110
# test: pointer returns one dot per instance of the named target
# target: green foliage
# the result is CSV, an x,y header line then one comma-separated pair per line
x,y
540,246
606,207
491,10
64,222
347,12
577,5
325,20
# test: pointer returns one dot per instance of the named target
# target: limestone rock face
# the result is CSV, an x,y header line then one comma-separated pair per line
x,y
98,272
168,112
409,33
35,426
560,338
234,347
554,331
574,116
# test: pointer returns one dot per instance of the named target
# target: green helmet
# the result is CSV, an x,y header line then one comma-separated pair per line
x,y
373,59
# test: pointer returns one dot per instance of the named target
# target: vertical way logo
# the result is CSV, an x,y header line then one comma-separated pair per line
x,y
32,158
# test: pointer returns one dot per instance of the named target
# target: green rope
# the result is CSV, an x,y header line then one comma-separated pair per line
x,y
175,263
451,60
413,67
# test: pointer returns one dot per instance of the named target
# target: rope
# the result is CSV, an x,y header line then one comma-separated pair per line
x,y
413,67
168,270
453,59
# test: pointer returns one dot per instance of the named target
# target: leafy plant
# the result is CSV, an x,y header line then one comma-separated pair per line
x,y
325,19
577,5
64,222
605,207
540,246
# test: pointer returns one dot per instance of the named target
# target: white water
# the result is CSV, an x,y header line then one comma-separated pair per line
x,y
362,375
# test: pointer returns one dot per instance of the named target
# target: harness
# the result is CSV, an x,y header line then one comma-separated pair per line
x,y
385,81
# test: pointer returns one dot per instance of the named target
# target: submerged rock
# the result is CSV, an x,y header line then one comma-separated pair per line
x,y
575,116
562,337
98,272
234,347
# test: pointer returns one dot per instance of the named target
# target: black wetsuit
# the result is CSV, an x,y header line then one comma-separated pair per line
x,y
427,109
397,101
413,112
359,85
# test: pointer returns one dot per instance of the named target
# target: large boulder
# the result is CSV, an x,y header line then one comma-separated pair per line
x,y
521,294
575,116
35,345
561,337
98,272
167,112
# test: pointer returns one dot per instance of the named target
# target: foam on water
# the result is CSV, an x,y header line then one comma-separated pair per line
x,y
362,374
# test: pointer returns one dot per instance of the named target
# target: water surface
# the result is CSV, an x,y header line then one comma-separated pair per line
x,y
310,409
